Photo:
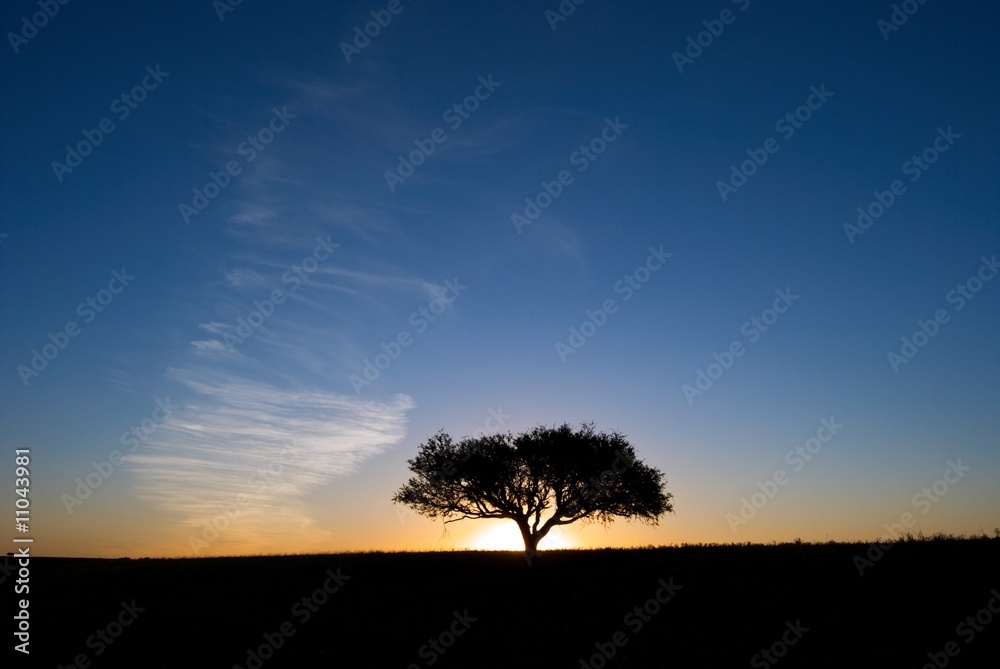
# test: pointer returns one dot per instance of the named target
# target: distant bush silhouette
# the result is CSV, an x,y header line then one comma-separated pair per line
x,y
539,479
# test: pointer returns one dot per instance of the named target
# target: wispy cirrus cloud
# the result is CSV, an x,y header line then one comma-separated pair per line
x,y
249,452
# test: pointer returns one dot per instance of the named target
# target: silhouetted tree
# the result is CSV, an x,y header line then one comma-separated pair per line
x,y
538,479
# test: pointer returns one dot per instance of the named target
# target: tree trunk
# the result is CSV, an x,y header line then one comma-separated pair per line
x,y
530,543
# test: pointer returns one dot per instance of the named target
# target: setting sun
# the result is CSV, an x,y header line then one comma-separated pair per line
x,y
504,536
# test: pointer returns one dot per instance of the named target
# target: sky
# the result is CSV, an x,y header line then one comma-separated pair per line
x,y
253,255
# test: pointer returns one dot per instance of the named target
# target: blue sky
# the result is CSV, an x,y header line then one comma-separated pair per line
x,y
304,261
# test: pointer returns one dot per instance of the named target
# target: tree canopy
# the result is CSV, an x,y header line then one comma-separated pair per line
x,y
540,479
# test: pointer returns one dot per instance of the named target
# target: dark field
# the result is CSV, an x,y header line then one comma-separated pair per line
x,y
728,604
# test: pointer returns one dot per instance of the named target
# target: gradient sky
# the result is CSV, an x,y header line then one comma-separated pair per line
x,y
308,216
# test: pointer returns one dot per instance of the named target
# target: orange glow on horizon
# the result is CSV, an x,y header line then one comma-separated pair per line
x,y
504,536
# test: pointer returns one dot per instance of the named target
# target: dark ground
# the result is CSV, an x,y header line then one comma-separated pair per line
x,y
732,602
